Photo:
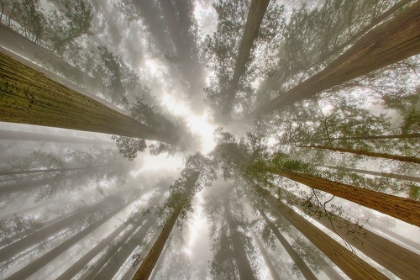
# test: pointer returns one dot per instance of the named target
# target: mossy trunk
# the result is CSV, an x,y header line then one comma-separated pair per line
x,y
388,43
374,173
29,97
304,269
402,262
348,262
404,209
366,153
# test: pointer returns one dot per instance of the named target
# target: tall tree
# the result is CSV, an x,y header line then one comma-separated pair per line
x,y
266,257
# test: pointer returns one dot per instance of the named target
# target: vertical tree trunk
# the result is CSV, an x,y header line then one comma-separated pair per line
x,y
84,260
241,259
401,208
366,153
116,261
390,42
49,230
29,136
27,96
402,262
39,263
348,262
381,174
266,257
306,271
160,261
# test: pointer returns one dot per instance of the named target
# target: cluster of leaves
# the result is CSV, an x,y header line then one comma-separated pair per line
x,y
129,147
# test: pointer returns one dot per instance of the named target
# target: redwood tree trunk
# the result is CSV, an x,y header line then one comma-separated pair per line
x,y
381,174
39,263
390,42
241,259
306,271
29,136
160,261
348,262
402,262
372,137
27,96
366,153
404,209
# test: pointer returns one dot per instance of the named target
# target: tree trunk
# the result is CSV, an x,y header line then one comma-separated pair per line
x,y
404,209
366,153
381,174
29,136
402,262
83,261
160,261
256,14
390,42
39,263
306,271
348,262
49,230
266,257
8,173
28,96
401,238
241,259
372,137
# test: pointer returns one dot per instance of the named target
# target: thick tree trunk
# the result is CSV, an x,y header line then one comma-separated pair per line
x,y
112,267
348,262
27,96
39,263
366,153
83,261
306,271
381,174
266,257
404,209
390,42
29,136
241,259
256,14
402,262
48,230
400,238
160,261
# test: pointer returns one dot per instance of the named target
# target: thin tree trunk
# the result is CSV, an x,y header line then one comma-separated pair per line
x,y
49,230
366,153
29,136
390,42
7,173
30,97
401,208
83,261
241,259
401,238
348,262
116,261
372,137
266,257
39,263
256,14
306,271
381,174
402,262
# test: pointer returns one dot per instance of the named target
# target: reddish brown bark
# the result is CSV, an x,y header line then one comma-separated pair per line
x,y
401,208
365,153
348,262
390,42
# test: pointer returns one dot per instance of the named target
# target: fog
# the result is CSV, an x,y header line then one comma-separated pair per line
x,y
209,139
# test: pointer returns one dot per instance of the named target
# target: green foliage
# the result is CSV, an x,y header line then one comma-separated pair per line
x,y
129,147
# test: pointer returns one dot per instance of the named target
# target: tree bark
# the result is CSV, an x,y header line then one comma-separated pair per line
x,y
306,271
372,137
390,42
348,262
404,209
83,261
49,230
266,257
29,136
160,261
381,174
401,238
39,263
366,153
241,259
402,262
27,96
